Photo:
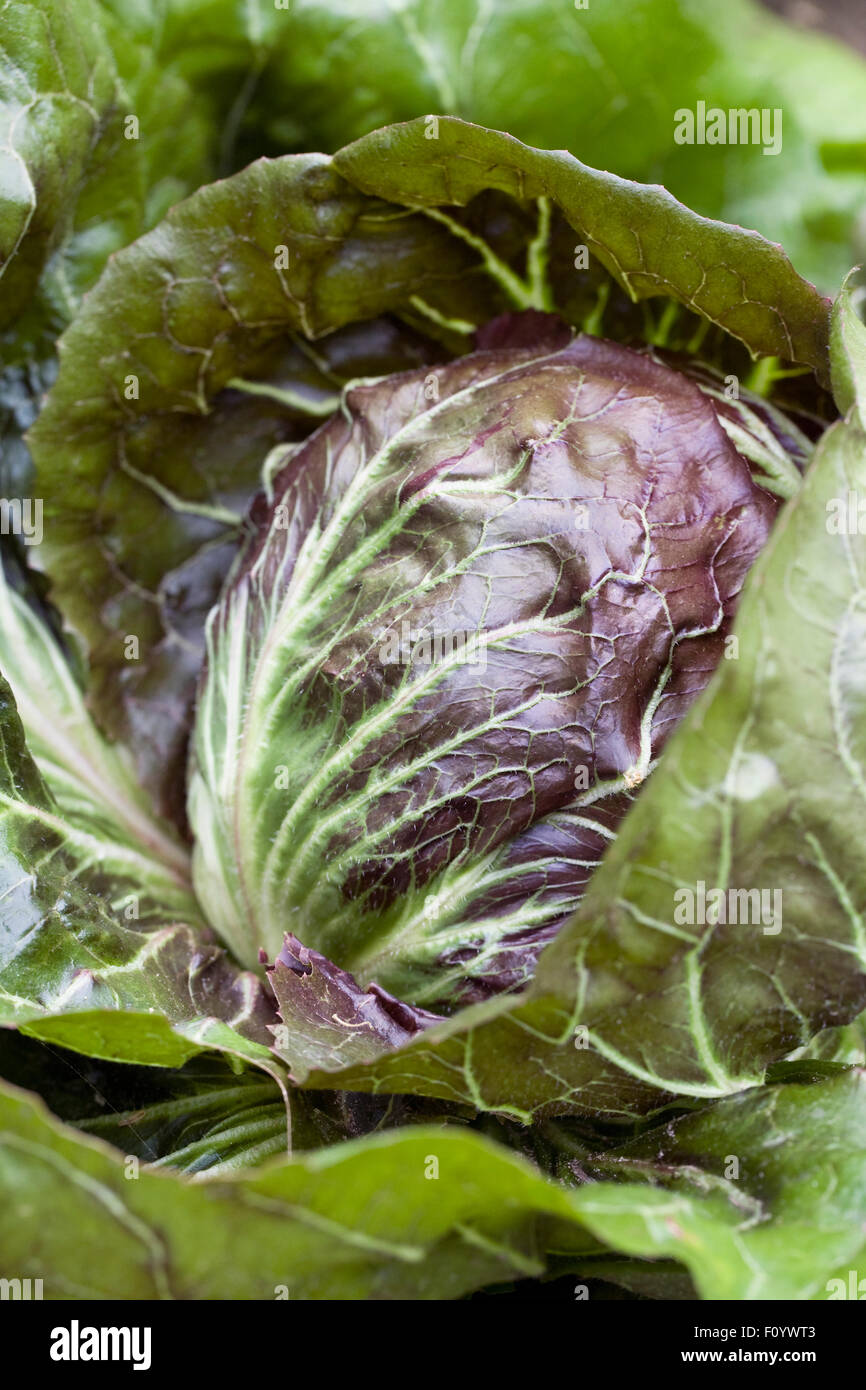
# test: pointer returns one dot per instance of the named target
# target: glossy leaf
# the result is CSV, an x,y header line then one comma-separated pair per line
x,y
68,954
115,836
355,1221
774,1206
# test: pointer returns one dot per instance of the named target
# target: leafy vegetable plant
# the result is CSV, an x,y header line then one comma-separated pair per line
x,y
433,720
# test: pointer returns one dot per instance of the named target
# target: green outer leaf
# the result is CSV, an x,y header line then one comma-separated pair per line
x,y
89,159
790,1218
69,77
759,788
361,1220
649,242
605,81
133,498
110,821
115,1037
67,954
848,349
